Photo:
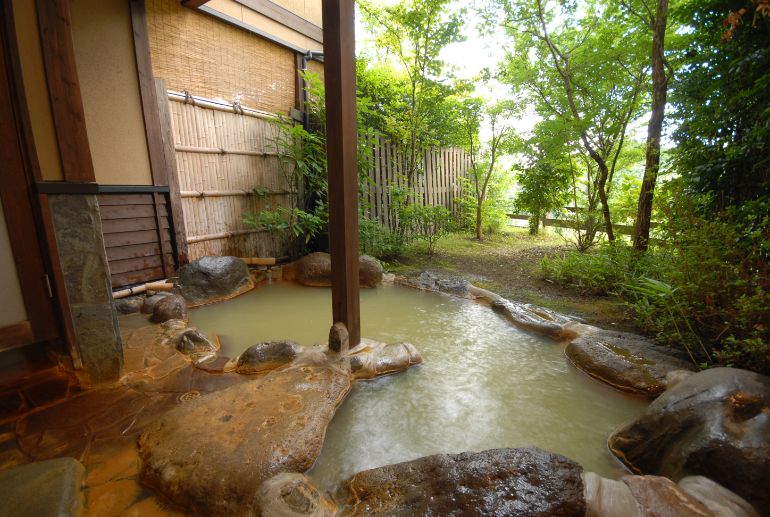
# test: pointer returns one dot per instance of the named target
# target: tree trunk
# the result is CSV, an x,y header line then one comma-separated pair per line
x,y
654,129
479,204
601,187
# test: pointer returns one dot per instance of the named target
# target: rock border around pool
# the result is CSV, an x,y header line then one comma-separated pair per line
x,y
624,361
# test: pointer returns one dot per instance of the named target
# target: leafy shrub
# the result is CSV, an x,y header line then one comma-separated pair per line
x,y
428,223
705,288
378,241
605,270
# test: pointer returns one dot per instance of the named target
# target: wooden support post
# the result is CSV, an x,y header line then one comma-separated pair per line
x,y
341,142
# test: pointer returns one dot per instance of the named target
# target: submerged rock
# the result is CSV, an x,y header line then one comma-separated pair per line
x,y
211,454
715,423
169,308
211,279
315,270
292,495
626,361
372,359
526,481
267,356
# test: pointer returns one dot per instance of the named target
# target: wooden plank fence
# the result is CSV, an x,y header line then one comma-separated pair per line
x,y
224,152
438,182
621,229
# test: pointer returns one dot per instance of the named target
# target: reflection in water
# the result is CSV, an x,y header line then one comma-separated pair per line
x,y
483,385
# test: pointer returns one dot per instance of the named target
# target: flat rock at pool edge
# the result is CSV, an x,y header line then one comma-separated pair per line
x,y
270,355
373,359
211,279
315,270
44,488
292,495
626,361
715,423
211,454
635,496
526,481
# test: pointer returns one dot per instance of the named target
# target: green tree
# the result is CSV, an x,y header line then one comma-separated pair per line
x,y
653,16
583,66
484,156
543,188
415,32
722,98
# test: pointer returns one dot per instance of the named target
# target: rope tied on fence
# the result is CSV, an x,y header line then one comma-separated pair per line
x,y
188,98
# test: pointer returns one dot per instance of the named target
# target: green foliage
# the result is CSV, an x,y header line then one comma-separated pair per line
x,y
378,241
722,98
427,223
413,34
543,188
704,288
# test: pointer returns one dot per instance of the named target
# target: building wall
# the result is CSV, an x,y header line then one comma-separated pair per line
x,y
263,23
13,310
36,89
308,9
210,58
106,63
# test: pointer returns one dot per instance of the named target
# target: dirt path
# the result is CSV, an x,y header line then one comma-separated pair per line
x,y
509,264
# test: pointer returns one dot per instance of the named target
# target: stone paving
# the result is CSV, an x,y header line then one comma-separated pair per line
x,y
100,427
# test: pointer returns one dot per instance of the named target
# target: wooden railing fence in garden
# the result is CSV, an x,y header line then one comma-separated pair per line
x,y
224,152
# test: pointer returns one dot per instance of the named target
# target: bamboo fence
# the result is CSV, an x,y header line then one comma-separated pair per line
x,y
222,155
225,152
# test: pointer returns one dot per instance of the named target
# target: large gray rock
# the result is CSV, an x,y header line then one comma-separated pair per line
x,y
129,305
292,495
315,270
169,308
715,423
211,279
431,281
267,356
42,489
211,454
626,361
194,343
149,302
527,481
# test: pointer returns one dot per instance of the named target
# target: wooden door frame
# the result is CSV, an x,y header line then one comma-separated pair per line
x,y
21,206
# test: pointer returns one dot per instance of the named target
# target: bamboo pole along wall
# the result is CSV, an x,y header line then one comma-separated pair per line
x,y
224,153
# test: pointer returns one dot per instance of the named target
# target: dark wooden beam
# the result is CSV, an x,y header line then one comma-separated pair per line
x,y
169,155
193,4
64,89
341,143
